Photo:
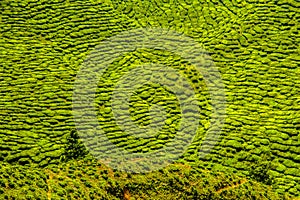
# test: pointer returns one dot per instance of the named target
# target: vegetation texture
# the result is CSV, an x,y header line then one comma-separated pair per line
x,y
88,179
254,44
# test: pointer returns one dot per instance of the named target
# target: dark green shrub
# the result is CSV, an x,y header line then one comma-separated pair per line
x,y
259,171
74,148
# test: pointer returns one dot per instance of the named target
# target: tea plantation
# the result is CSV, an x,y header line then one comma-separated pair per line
x,y
253,43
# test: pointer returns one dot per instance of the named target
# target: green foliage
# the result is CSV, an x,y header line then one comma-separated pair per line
x,y
260,170
254,44
88,179
74,148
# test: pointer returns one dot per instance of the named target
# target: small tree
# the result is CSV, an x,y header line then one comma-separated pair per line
x,y
259,171
74,148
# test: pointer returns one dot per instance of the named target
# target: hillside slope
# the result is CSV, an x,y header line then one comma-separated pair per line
x,y
254,44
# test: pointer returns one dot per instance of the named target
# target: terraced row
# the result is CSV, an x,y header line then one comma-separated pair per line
x,y
254,44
